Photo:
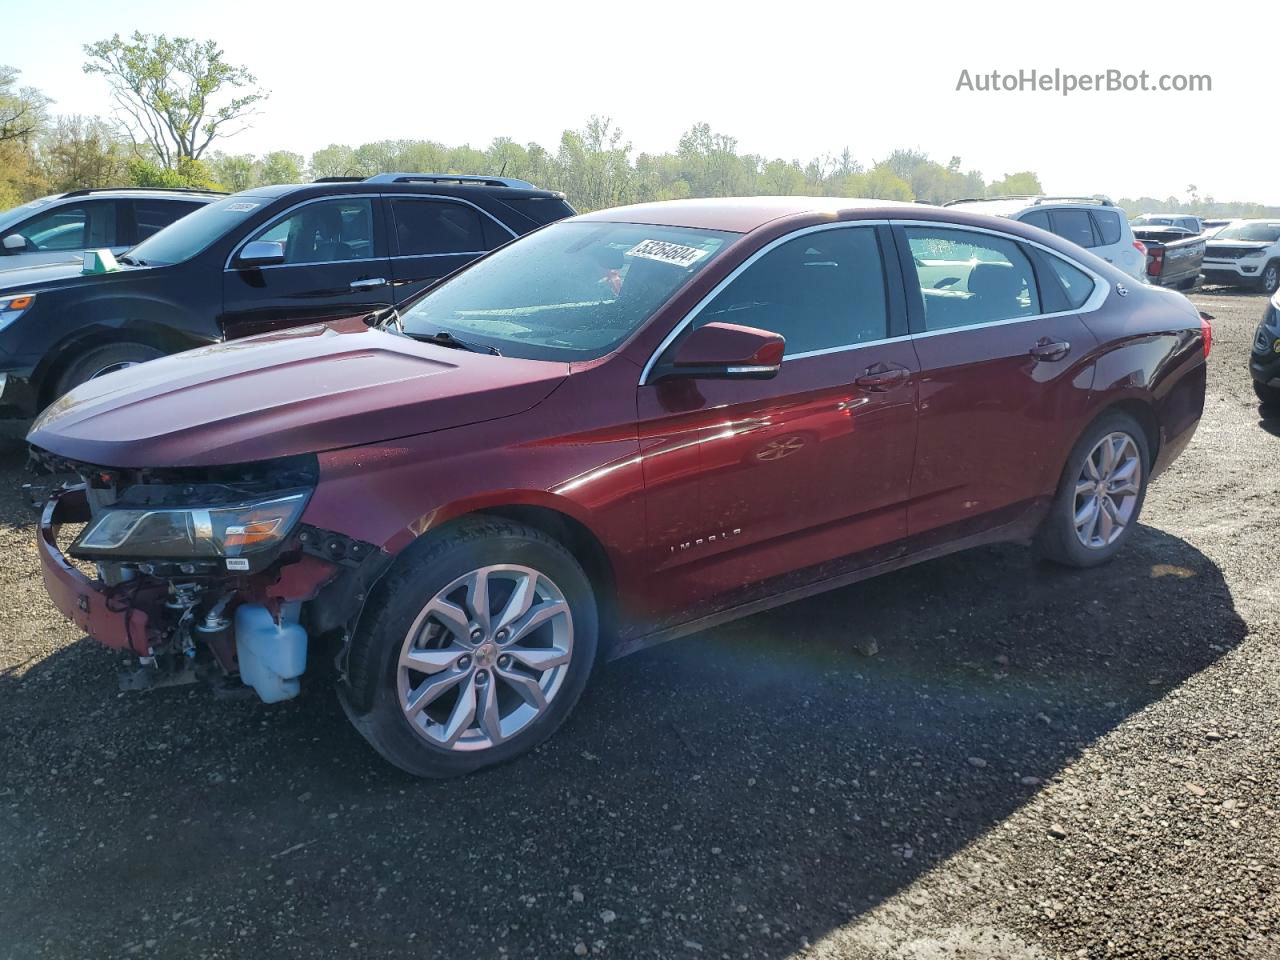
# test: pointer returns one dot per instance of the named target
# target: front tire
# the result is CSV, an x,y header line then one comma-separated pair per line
x,y
102,360
1269,281
1100,495
1267,395
473,650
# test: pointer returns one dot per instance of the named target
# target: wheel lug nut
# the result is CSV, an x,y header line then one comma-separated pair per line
x,y
464,662
504,661
501,636
476,634
482,677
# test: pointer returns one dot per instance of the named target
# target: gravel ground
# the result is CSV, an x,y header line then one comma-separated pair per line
x,y
1036,764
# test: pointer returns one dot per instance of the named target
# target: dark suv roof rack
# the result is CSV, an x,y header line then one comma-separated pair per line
x,y
88,190
462,178
1034,199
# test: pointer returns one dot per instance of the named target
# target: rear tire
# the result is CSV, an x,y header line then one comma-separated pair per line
x,y
1100,495
103,360
498,675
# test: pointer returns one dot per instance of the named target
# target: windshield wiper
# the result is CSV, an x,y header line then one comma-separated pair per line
x,y
446,339
387,316
131,261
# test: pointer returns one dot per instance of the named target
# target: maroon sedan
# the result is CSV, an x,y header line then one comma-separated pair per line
x,y
622,428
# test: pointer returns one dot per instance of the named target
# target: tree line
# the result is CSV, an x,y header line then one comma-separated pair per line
x,y
178,103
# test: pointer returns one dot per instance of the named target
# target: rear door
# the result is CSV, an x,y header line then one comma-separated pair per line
x,y
1004,373
148,215
336,265
433,236
747,480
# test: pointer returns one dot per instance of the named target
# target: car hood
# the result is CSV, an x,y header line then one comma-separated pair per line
x,y
298,391
1218,242
42,276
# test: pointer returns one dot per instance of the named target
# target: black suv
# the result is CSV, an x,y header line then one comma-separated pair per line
x,y
260,260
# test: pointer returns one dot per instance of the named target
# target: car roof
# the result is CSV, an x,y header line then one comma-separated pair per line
x,y
744,214
144,193
442,187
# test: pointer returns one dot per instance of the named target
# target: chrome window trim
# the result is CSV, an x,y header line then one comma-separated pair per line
x,y
733,275
288,211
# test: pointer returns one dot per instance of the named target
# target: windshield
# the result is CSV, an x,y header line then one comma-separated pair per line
x,y
184,238
1266,232
9,217
572,291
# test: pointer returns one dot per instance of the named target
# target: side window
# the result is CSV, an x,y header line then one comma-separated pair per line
x,y
1067,287
1073,225
821,290
970,278
1037,218
151,216
426,227
327,231
495,235
1108,223
74,226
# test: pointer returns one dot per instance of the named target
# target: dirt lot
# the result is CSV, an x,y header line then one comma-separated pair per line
x,y
1037,763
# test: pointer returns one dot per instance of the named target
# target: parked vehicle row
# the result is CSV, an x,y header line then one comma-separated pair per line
x,y
619,429
260,260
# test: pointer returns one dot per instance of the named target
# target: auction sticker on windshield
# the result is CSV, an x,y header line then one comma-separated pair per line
x,y
673,253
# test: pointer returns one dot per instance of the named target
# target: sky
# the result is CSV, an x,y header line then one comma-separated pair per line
x,y
787,81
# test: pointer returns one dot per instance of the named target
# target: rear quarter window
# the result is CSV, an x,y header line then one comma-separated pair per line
x,y
1108,222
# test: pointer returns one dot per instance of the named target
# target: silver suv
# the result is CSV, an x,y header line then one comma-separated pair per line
x,y
1094,223
61,227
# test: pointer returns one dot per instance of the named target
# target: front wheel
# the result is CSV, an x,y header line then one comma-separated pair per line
x,y
100,361
1267,395
1100,495
1269,281
474,650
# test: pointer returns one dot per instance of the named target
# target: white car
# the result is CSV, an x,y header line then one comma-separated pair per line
x,y
61,227
1245,254
1096,224
1184,221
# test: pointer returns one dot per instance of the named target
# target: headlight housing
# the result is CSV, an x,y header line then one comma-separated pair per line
x,y
186,533
12,307
1257,253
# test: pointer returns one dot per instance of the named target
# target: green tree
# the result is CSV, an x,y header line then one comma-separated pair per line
x,y
143,172
335,160
22,109
281,166
234,171
78,152
177,95
1021,184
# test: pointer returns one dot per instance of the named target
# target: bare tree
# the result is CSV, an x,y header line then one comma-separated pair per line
x,y
22,110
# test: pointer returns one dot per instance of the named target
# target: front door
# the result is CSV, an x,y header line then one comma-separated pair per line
x,y
335,266
748,480
1004,374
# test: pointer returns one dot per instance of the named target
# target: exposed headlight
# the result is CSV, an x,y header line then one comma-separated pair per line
x,y
191,532
11,308
1256,253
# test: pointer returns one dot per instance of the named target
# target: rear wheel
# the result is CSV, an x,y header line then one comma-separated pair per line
x,y
1101,494
100,361
478,647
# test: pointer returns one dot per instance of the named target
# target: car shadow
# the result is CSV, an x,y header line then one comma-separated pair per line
x,y
741,790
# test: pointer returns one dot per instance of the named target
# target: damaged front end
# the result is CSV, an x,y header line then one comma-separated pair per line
x,y
204,572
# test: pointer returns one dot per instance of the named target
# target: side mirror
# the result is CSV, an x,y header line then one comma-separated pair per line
x,y
15,241
260,253
725,351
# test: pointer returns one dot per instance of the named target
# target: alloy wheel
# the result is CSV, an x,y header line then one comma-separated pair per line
x,y
485,657
1107,490
112,368
1271,278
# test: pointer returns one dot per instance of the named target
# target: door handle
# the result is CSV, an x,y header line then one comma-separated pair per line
x,y
882,376
368,284
1046,349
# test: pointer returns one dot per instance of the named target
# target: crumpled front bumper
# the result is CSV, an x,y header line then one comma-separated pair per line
x,y
101,612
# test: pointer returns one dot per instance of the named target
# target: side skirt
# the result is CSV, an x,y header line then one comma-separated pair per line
x,y
1021,530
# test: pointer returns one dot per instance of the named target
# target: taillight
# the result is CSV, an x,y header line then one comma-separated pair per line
x,y
1206,332
1140,247
1155,262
